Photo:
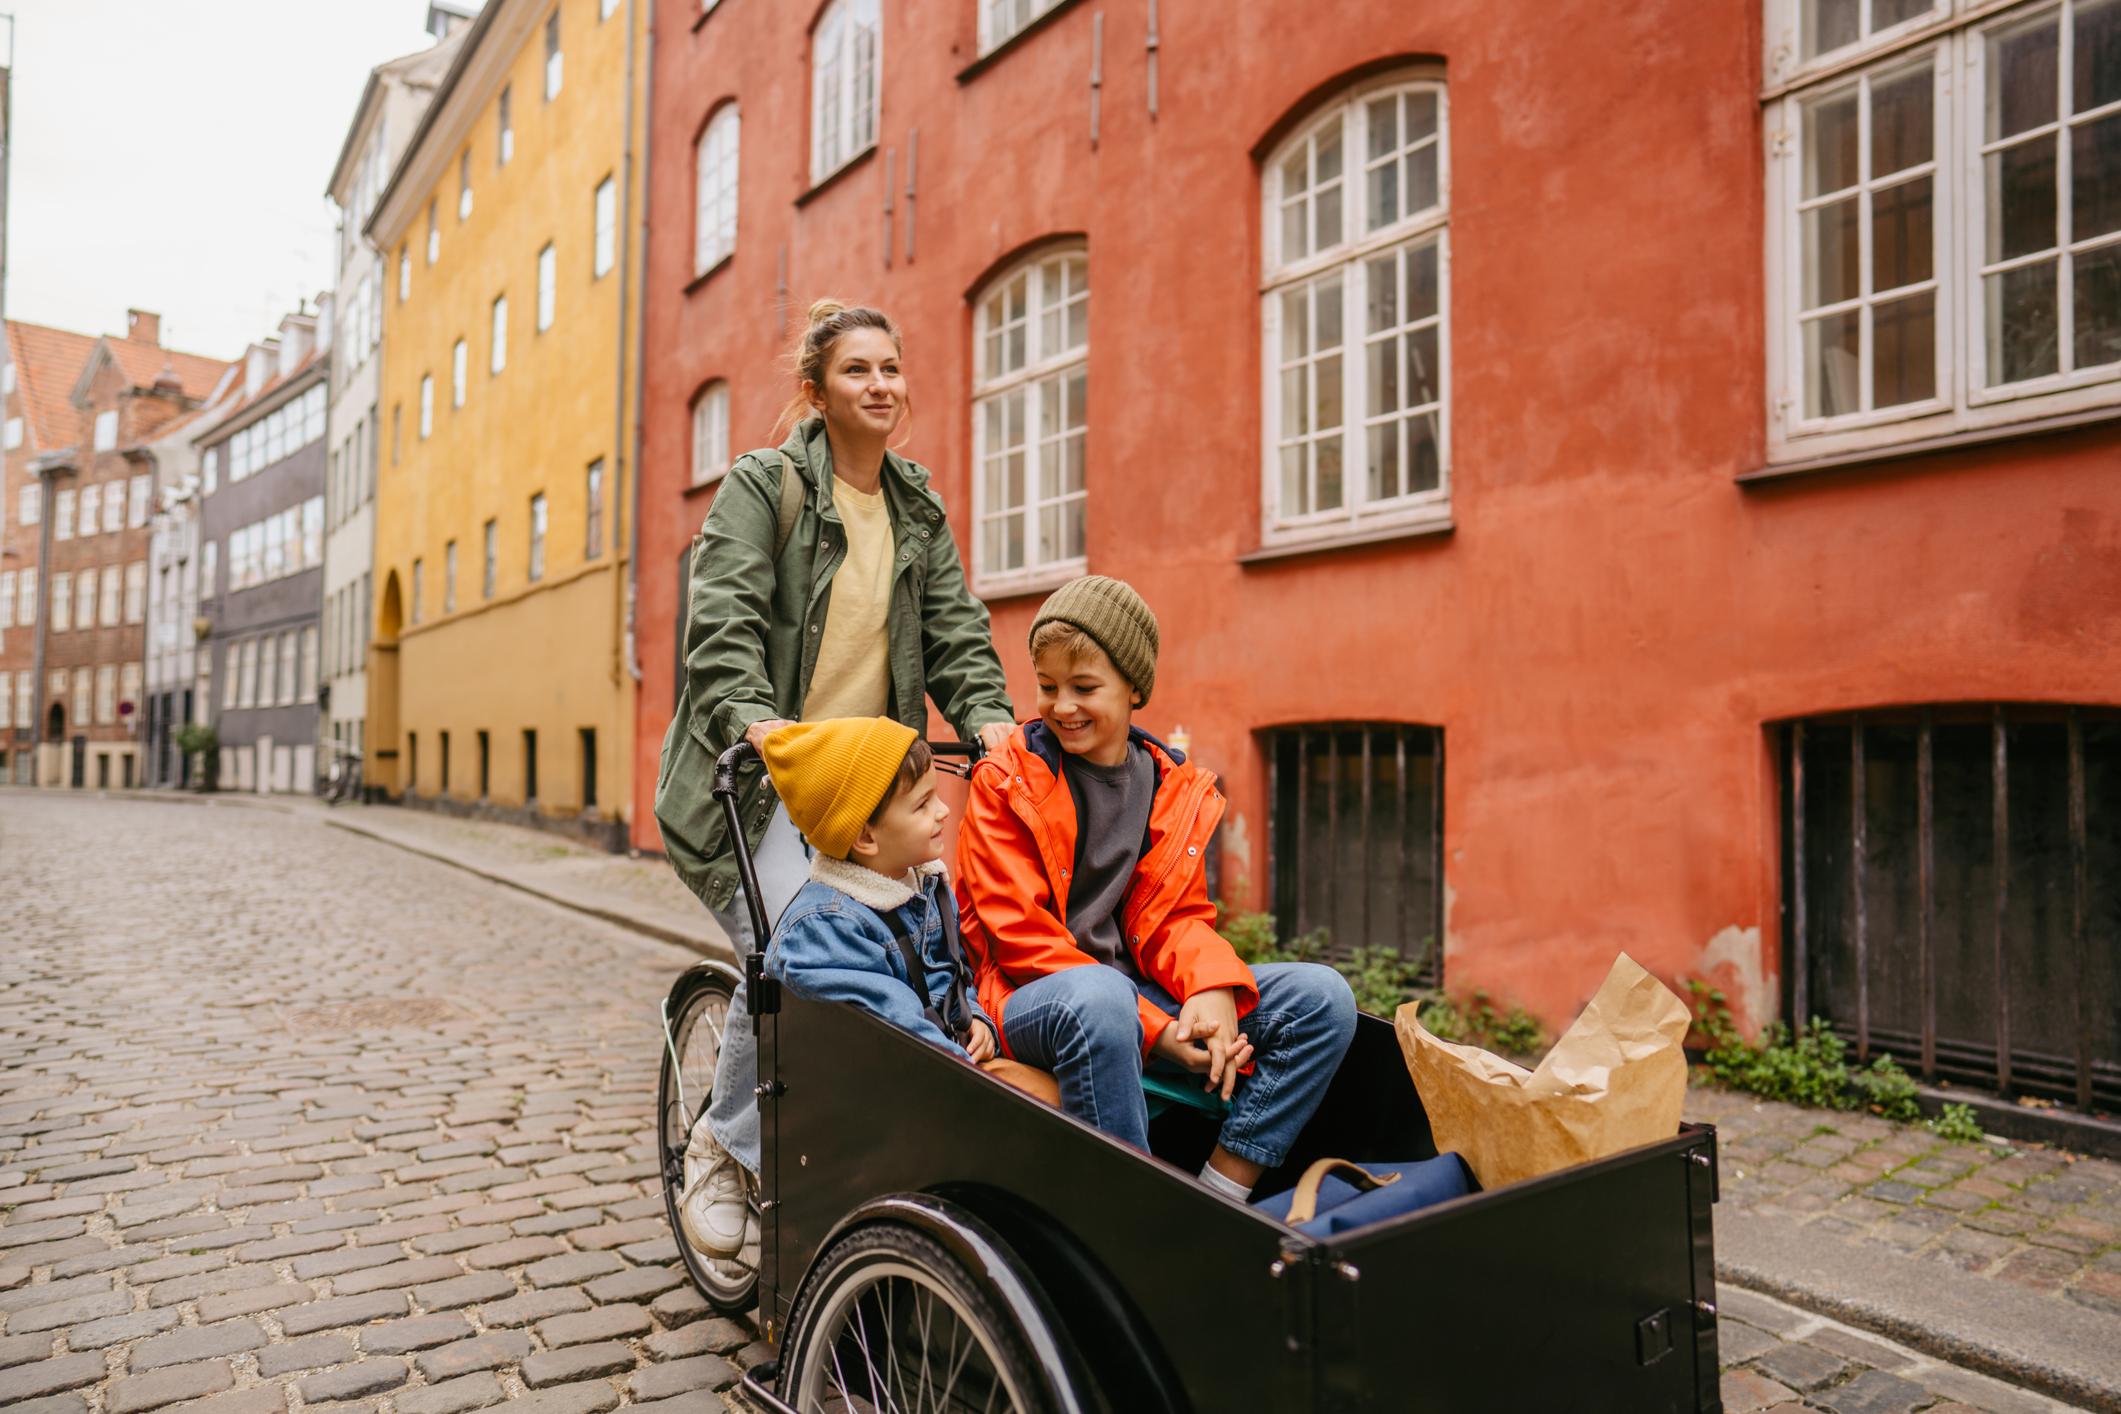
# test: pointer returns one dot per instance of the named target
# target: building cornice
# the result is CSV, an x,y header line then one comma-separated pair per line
x,y
475,75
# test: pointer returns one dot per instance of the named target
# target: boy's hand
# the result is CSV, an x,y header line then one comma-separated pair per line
x,y
979,1042
1205,1039
757,732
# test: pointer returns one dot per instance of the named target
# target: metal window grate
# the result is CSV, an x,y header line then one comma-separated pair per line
x,y
1952,891
1355,837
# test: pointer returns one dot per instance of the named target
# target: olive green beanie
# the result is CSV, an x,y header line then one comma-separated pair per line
x,y
1113,614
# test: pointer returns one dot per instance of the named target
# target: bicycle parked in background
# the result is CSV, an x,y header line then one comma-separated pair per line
x,y
344,779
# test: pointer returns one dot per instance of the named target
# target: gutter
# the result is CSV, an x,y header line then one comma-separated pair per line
x,y
631,630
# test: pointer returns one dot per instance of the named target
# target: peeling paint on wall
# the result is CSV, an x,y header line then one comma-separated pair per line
x,y
1237,859
1732,963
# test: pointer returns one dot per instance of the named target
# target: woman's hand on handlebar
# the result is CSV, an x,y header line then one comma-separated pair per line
x,y
757,732
995,735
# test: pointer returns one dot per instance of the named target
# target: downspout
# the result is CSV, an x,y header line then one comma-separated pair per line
x,y
46,469
640,346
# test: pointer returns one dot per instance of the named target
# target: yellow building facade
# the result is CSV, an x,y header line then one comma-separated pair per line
x,y
499,671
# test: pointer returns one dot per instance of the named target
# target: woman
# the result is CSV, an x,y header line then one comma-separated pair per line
x,y
838,596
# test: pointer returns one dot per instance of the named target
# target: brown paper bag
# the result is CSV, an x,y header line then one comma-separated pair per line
x,y
1616,1079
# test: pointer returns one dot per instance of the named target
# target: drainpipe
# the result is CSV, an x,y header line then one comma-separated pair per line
x,y
46,469
627,491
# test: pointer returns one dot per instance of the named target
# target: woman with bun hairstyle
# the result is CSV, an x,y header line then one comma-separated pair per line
x,y
839,594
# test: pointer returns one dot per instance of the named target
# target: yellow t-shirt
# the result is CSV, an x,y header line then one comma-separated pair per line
x,y
853,673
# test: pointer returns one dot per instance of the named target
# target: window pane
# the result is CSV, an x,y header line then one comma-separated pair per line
x,y
1384,126
1384,376
1423,366
1384,460
1422,192
1831,254
1830,354
1294,501
1903,110
1325,387
2021,78
1383,195
2097,46
1294,406
1901,243
2021,199
1904,350
1830,144
1295,325
1295,243
1381,279
1329,487
1829,24
2021,323
2095,176
1327,204
1327,313
1421,116
1421,282
2098,301
1887,13
1424,459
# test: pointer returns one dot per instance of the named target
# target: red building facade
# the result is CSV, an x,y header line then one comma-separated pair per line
x,y
1604,481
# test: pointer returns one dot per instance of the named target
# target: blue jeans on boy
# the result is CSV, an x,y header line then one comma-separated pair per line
x,y
1082,1024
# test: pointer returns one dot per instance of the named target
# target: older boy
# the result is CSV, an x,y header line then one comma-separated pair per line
x,y
1084,902
875,926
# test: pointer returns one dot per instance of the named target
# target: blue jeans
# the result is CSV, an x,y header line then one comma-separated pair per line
x,y
1082,1024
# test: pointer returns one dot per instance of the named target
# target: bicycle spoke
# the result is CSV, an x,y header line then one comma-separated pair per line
x,y
868,1359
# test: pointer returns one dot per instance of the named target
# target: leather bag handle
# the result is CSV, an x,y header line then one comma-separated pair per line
x,y
1304,1206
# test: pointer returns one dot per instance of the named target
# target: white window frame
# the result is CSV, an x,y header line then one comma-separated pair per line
x,y
714,176
1954,33
1002,20
91,504
497,359
62,601
110,597
63,515
404,273
710,433
427,405
1046,290
449,578
846,84
504,119
106,436
593,515
548,279
1357,517
539,524
14,425
459,372
604,217
464,185
113,508
29,503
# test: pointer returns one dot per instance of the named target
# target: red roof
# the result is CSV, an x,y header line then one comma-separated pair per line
x,y
46,363
143,363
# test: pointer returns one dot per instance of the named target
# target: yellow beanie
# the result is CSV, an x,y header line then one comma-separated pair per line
x,y
832,775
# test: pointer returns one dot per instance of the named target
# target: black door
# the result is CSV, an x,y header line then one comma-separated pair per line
x,y
80,772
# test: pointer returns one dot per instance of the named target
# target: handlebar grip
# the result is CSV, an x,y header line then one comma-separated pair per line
x,y
731,761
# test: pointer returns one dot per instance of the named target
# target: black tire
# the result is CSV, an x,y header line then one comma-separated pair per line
x,y
885,1316
693,1017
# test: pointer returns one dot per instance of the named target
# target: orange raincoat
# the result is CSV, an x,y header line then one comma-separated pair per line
x,y
1017,848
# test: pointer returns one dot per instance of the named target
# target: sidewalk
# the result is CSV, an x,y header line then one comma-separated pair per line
x,y
2004,1259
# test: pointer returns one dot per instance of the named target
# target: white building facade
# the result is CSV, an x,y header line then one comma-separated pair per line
x,y
396,95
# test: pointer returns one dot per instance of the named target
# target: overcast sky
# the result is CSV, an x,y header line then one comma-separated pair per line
x,y
172,155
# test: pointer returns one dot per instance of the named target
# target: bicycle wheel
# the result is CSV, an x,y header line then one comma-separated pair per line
x,y
695,1014
889,1322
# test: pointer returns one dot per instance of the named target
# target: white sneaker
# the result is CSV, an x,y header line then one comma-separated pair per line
x,y
712,1211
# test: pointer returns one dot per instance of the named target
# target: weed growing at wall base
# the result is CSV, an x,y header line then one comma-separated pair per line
x,y
1383,980
1808,1068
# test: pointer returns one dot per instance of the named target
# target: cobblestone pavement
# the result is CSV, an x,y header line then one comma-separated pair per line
x,y
1779,1359
2038,1218
291,1119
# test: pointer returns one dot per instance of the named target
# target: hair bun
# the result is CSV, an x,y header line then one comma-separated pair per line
x,y
824,309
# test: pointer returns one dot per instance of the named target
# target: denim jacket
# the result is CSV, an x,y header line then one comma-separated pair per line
x,y
834,943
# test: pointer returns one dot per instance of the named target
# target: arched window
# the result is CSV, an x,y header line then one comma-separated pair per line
x,y
1029,418
710,433
1354,315
846,61
714,191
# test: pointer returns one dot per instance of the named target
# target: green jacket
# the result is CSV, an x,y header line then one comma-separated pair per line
x,y
753,627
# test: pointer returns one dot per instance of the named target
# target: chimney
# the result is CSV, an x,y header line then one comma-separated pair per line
x,y
257,367
297,333
143,327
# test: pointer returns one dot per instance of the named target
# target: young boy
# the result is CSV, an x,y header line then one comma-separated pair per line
x,y
875,926
1084,901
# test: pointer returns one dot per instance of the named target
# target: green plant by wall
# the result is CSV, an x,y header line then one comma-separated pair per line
x,y
1809,1067
194,738
1383,981
1958,1124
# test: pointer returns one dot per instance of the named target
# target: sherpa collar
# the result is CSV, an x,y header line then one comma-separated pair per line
x,y
866,886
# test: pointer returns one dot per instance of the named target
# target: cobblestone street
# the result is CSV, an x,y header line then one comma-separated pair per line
x,y
294,1118
290,1118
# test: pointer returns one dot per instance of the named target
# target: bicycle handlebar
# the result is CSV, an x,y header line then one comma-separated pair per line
x,y
731,761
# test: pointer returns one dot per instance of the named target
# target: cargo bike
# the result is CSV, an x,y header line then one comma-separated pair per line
x,y
931,1239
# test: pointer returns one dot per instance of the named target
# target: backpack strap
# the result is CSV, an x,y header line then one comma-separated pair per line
x,y
954,1017
791,506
